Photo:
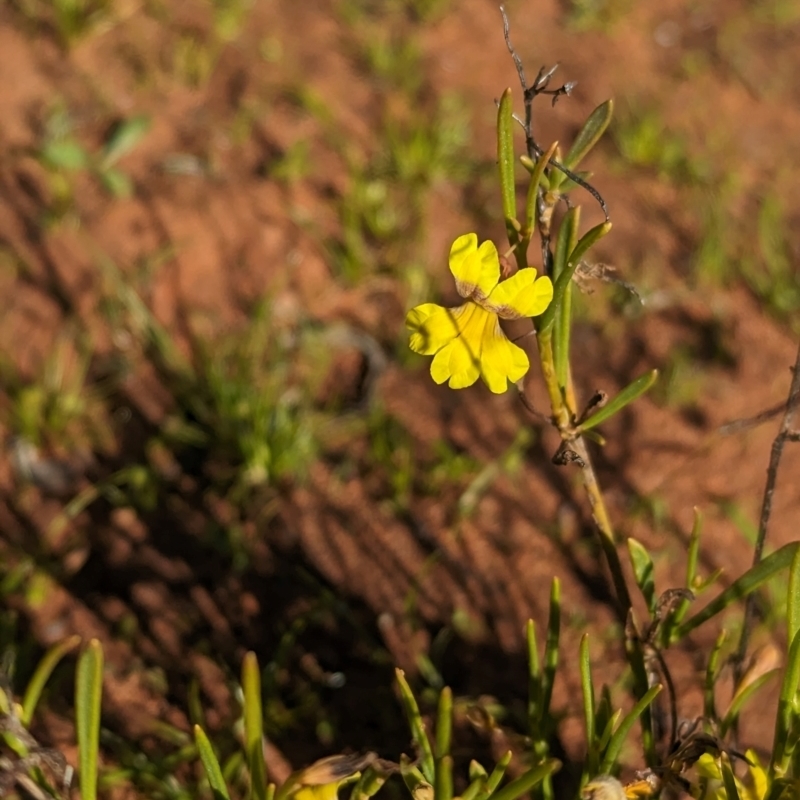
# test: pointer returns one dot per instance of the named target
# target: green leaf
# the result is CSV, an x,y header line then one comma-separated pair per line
x,y
642,565
210,765
537,172
587,689
630,393
418,732
253,726
528,780
742,695
65,154
793,599
787,717
743,586
728,779
590,238
567,238
493,781
88,699
550,657
505,162
534,676
116,182
594,127
443,784
712,670
43,672
618,738
124,138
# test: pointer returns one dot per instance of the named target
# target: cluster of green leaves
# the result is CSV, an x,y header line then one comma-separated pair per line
x,y
63,155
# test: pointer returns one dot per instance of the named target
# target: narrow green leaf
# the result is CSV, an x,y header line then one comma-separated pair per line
x,y
608,730
787,718
537,171
367,785
642,565
731,790
618,738
712,670
418,732
793,599
444,722
443,784
124,138
587,689
210,765
493,781
43,672
668,629
740,698
116,182
88,699
253,726
528,780
567,239
534,677
588,239
594,127
505,162
471,792
550,656
443,788
743,586
630,393
65,154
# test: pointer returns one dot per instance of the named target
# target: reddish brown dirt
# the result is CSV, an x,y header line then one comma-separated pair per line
x,y
231,234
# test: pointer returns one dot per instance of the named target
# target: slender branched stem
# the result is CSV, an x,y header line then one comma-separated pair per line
x,y
785,434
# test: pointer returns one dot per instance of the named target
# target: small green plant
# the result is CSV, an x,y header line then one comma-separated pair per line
x,y
63,155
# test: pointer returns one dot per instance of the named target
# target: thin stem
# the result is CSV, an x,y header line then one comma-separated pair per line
x,y
784,434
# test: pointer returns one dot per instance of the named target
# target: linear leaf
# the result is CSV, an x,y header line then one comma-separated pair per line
x,y
253,726
88,698
630,393
43,672
210,765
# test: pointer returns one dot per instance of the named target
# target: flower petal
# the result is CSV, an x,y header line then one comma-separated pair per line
x,y
501,360
459,361
522,295
476,269
432,326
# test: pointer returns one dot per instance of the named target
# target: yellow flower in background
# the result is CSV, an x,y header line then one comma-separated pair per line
x,y
467,342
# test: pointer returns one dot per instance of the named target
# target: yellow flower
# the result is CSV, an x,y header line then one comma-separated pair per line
x,y
468,342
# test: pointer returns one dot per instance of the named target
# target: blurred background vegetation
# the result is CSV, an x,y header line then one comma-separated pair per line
x,y
215,214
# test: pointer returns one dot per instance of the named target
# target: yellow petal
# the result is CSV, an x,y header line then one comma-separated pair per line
x,y
522,295
476,269
501,360
459,362
432,326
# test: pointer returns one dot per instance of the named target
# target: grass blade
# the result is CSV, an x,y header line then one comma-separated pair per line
x,y
743,586
793,599
210,765
620,734
493,781
88,698
253,726
550,654
642,565
418,732
40,677
712,670
727,777
528,780
443,784
534,678
587,688
787,717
